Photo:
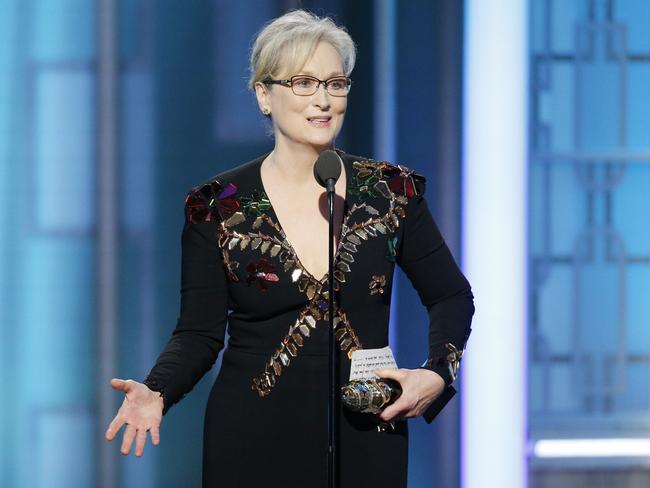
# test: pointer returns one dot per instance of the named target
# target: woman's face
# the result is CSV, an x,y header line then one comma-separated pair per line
x,y
292,114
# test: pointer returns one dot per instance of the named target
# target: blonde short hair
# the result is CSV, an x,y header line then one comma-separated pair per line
x,y
287,42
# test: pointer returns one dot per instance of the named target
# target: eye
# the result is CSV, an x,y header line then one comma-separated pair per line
x,y
303,82
338,84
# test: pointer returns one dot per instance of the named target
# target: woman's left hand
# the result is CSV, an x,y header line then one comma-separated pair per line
x,y
420,387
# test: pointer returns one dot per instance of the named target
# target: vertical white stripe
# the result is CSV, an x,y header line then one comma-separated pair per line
x,y
494,243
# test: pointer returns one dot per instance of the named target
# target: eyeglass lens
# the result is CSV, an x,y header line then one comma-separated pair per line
x,y
306,85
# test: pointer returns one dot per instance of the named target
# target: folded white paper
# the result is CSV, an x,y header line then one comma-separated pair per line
x,y
365,361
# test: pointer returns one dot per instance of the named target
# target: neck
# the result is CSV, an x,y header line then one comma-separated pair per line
x,y
294,162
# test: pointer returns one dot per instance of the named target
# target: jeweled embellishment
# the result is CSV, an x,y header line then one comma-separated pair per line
x,y
299,332
453,359
363,185
372,179
377,284
211,201
231,266
261,273
391,245
289,347
403,180
256,204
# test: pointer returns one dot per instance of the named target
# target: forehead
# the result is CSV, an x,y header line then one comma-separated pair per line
x,y
323,62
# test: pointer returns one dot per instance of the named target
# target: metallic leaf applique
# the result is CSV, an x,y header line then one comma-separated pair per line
x,y
403,181
371,210
382,187
245,240
373,179
341,323
354,239
377,284
298,333
257,222
234,219
348,246
453,359
230,266
233,242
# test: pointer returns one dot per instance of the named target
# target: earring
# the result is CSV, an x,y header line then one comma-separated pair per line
x,y
266,111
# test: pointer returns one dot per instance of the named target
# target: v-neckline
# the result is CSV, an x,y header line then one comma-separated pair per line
x,y
280,228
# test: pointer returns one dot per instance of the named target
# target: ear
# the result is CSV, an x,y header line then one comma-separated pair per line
x,y
263,97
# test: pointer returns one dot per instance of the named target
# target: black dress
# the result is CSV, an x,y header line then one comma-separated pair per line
x,y
266,416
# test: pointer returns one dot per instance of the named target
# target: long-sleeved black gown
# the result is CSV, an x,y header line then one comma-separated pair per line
x,y
266,416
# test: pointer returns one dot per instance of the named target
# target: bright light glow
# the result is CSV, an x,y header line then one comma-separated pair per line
x,y
590,448
494,367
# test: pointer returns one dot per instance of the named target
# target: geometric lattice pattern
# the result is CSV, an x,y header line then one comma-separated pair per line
x,y
589,285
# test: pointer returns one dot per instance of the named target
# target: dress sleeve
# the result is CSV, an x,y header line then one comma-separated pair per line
x,y
443,290
200,329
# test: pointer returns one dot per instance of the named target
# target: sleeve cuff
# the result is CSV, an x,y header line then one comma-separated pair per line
x,y
154,386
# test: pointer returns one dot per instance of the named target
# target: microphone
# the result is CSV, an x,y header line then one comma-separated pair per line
x,y
327,169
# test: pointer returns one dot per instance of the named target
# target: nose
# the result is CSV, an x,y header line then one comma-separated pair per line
x,y
321,97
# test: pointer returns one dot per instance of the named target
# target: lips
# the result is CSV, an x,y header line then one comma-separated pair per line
x,y
319,119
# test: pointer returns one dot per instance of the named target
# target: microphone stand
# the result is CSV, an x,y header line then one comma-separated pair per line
x,y
333,403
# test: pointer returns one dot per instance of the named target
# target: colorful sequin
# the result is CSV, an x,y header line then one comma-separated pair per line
x,y
391,245
261,273
211,202
256,205
364,187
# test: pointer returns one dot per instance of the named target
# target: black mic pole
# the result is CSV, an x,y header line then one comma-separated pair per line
x,y
327,170
333,410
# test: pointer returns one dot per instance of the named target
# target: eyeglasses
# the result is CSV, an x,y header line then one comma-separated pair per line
x,y
304,85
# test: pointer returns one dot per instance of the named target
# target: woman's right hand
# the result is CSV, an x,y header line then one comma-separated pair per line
x,y
141,410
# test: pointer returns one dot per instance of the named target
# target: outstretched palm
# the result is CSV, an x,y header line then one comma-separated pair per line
x,y
141,410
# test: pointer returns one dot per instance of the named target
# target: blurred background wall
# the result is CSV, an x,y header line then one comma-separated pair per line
x,y
110,110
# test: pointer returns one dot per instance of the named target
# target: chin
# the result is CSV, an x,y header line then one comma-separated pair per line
x,y
324,141
322,145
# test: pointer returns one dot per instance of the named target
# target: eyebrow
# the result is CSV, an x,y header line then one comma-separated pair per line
x,y
331,75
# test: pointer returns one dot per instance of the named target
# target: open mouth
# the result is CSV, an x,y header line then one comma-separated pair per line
x,y
319,121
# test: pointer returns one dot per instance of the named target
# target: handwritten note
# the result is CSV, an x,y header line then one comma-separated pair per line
x,y
365,361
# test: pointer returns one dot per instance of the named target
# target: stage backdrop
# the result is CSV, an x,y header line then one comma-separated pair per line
x,y
110,111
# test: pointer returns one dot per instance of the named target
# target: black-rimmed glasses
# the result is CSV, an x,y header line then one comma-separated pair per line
x,y
305,85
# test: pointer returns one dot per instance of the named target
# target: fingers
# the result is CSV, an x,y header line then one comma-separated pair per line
x,y
392,373
114,428
155,436
140,440
119,384
401,408
393,412
127,440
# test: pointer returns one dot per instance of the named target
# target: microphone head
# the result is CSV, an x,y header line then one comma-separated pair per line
x,y
327,167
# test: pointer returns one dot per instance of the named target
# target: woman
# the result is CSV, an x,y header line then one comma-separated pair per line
x,y
254,251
